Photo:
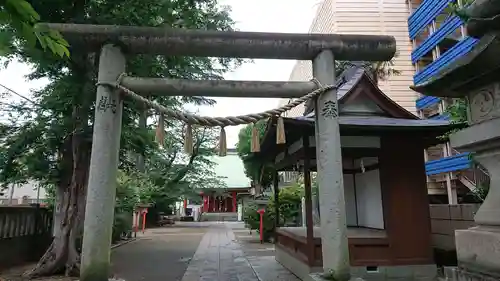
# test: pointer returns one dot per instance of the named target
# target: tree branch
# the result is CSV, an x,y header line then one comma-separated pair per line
x,y
196,149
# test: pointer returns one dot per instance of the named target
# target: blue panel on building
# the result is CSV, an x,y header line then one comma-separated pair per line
x,y
443,116
424,15
460,49
448,27
457,162
426,101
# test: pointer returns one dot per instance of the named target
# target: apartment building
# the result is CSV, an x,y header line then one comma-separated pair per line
x,y
438,38
383,17
428,38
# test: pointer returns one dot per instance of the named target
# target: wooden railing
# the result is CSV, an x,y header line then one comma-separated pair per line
x,y
25,234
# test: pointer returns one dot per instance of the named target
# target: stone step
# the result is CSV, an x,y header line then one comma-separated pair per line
x,y
219,216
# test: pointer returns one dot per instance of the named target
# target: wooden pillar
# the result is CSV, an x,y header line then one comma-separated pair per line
x,y
308,197
234,202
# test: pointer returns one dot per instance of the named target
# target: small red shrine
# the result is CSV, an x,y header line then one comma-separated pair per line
x,y
227,202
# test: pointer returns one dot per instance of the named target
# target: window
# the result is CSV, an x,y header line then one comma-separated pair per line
x,y
422,36
425,60
449,41
435,152
430,111
443,17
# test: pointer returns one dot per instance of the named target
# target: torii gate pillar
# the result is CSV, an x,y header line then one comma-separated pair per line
x,y
329,167
99,210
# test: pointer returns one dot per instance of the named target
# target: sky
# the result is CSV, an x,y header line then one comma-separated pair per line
x,y
257,15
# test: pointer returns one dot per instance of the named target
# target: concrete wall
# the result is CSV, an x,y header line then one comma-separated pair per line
x,y
25,234
445,219
383,17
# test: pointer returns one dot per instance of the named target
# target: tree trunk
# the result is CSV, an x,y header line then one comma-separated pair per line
x,y
63,255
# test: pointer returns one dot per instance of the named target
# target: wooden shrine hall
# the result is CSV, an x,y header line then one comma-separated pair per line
x,y
387,209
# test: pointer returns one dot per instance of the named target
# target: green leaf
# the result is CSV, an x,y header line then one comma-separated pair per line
x,y
24,10
29,34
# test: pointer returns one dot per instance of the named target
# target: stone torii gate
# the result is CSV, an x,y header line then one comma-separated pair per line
x,y
114,41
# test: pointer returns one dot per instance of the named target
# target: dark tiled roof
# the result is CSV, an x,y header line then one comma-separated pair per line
x,y
345,82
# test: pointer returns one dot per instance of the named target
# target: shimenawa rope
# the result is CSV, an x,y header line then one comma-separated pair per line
x,y
192,119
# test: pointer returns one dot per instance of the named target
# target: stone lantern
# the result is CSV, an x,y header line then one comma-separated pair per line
x,y
476,77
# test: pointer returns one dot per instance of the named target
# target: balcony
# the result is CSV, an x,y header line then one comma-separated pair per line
x,y
443,116
446,29
426,101
453,163
424,15
458,50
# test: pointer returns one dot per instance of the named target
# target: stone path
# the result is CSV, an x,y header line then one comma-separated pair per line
x,y
220,257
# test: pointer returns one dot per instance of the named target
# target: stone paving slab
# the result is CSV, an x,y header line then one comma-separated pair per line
x,y
219,258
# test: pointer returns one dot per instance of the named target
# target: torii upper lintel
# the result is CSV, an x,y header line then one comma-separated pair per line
x,y
235,44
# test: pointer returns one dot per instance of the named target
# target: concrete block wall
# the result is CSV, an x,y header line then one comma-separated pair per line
x,y
445,219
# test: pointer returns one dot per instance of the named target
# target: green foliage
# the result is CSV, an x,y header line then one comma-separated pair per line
x,y
19,25
36,134
256,169
380,70
458,111
290,199
122,225
252,220
458,10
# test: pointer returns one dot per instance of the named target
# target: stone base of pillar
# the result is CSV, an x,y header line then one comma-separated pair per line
x,y
478,253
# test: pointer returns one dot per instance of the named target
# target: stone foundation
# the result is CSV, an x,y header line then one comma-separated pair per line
x,y
463,274
426,272
478,249
478,254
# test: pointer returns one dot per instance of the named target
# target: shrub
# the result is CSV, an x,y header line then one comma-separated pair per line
x,y
122,225
289,209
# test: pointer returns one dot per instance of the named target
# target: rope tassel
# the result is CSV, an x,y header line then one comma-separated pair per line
x,y
160,130
222,142
255,142
280,131
188,139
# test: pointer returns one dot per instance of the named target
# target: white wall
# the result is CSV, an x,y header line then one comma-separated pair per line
x,y
350,200
369,198
363,197
30,190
